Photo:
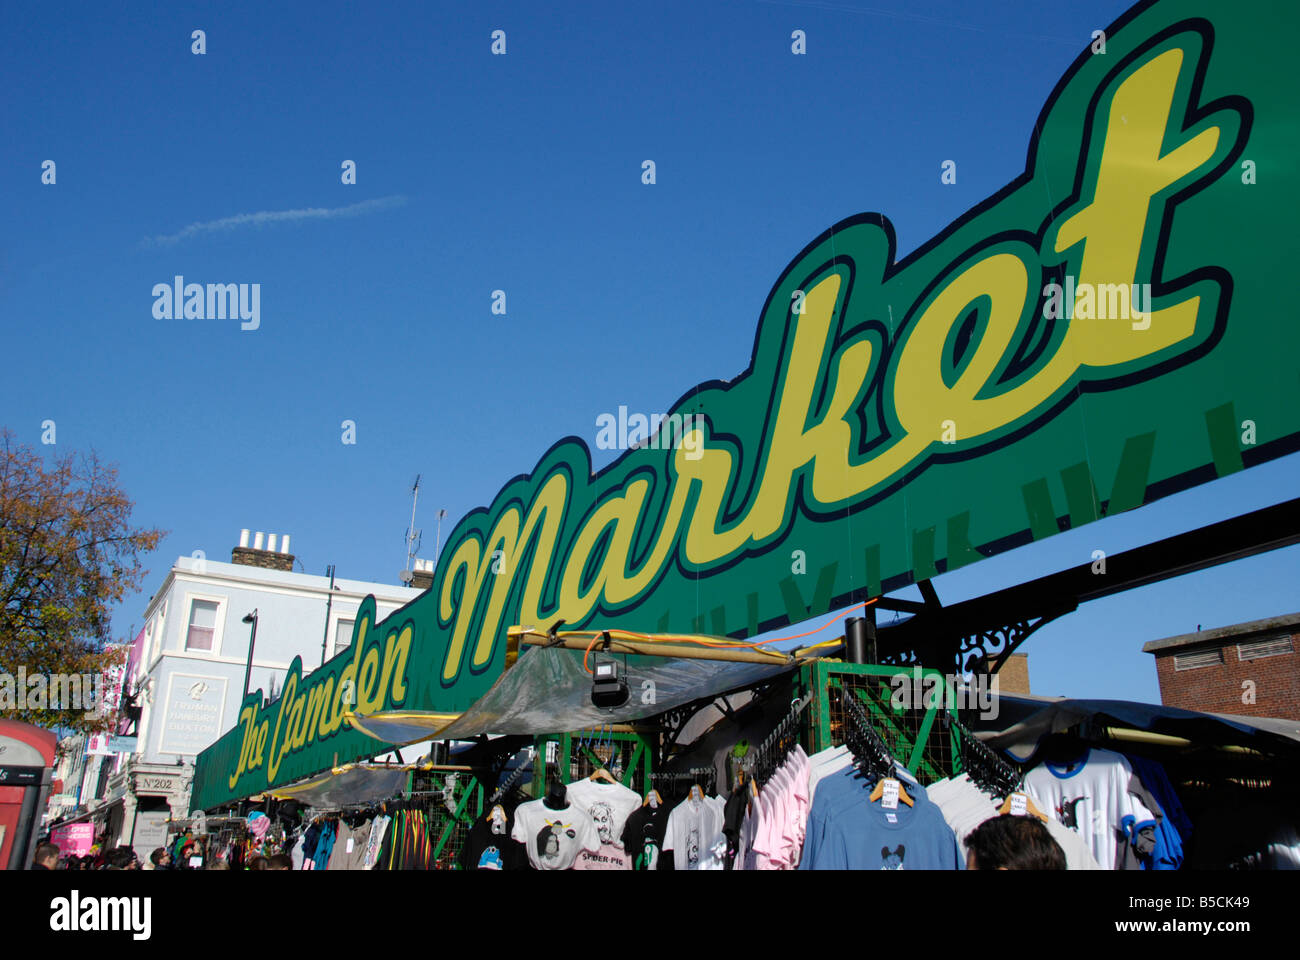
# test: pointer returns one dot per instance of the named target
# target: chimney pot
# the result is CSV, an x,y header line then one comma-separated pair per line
x,y
270,542
243,537
257,540
284,544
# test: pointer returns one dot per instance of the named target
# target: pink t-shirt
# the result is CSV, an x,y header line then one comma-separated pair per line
x,y
608,857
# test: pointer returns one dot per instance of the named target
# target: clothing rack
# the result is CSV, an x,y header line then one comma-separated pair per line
x,y
508,785
983,764
762,761
872,754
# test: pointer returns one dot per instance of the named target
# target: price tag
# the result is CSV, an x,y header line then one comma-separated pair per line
x,y
1019,804
196,862
889,799
349,849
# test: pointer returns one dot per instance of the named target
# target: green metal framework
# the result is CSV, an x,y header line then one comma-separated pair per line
x,y
905,706
629,756
467,794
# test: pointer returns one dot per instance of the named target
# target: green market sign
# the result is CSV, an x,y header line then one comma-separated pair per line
x,y
1105,330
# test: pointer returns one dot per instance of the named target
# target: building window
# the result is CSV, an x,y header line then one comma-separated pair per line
x,y
1259,649
203,624
1201,658
342,635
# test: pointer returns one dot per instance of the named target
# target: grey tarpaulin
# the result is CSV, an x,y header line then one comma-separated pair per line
x,y
1023,721
351,785
547,691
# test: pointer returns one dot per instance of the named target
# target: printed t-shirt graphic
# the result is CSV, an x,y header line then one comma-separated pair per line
x,y
607,804
487,849
694,827
608,857
554,837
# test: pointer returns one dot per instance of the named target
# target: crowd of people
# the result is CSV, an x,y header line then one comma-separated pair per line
x,y
49,857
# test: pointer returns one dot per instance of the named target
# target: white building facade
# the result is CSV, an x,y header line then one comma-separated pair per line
x,y
189,674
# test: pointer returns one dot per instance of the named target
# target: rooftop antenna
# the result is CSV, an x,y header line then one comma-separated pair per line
x,y
413,536
437,542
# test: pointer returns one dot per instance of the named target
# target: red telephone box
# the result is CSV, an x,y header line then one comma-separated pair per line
x,y
26,772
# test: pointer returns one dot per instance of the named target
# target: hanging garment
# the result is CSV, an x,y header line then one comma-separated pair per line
x,y
1174,829
694,828
554,838
643,836
1093,796
309,841
965,806
608,805
325,845
489,846
846,831
378,827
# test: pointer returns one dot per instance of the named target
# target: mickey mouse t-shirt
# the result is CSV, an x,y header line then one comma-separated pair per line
x,y
846,831
554,838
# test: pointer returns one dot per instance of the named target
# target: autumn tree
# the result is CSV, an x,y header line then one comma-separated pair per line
x,y
67,554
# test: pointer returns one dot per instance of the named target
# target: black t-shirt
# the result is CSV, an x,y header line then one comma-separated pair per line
x,y
733,818
643,836
485,850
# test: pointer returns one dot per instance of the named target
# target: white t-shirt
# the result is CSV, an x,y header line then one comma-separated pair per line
x,y
554,838
607,804
694,827
1092,798
965,806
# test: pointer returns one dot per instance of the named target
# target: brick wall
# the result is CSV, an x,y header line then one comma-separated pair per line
x,y
262,558
1218,687
1014,675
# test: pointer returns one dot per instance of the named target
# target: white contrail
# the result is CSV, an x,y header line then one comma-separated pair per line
x,y
275,216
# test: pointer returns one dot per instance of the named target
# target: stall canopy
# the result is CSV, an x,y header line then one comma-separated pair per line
x,y
548,690
1023,721
347,785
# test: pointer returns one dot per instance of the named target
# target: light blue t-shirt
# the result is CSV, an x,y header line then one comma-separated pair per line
x,y
846,831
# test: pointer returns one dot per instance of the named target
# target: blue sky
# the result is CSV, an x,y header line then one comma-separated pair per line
x,y
476,173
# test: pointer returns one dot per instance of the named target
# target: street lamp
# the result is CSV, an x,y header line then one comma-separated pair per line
x,y
252,641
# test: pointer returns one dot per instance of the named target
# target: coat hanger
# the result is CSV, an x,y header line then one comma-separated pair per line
x,y
879,791
1031,809
603,774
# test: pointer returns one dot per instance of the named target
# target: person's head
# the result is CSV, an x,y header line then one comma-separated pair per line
x,y
281,861
160,857
218,865
123,858
259,863
1013,843
47,855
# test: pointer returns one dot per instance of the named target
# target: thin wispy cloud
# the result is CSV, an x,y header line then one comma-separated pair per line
x,y
265,217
